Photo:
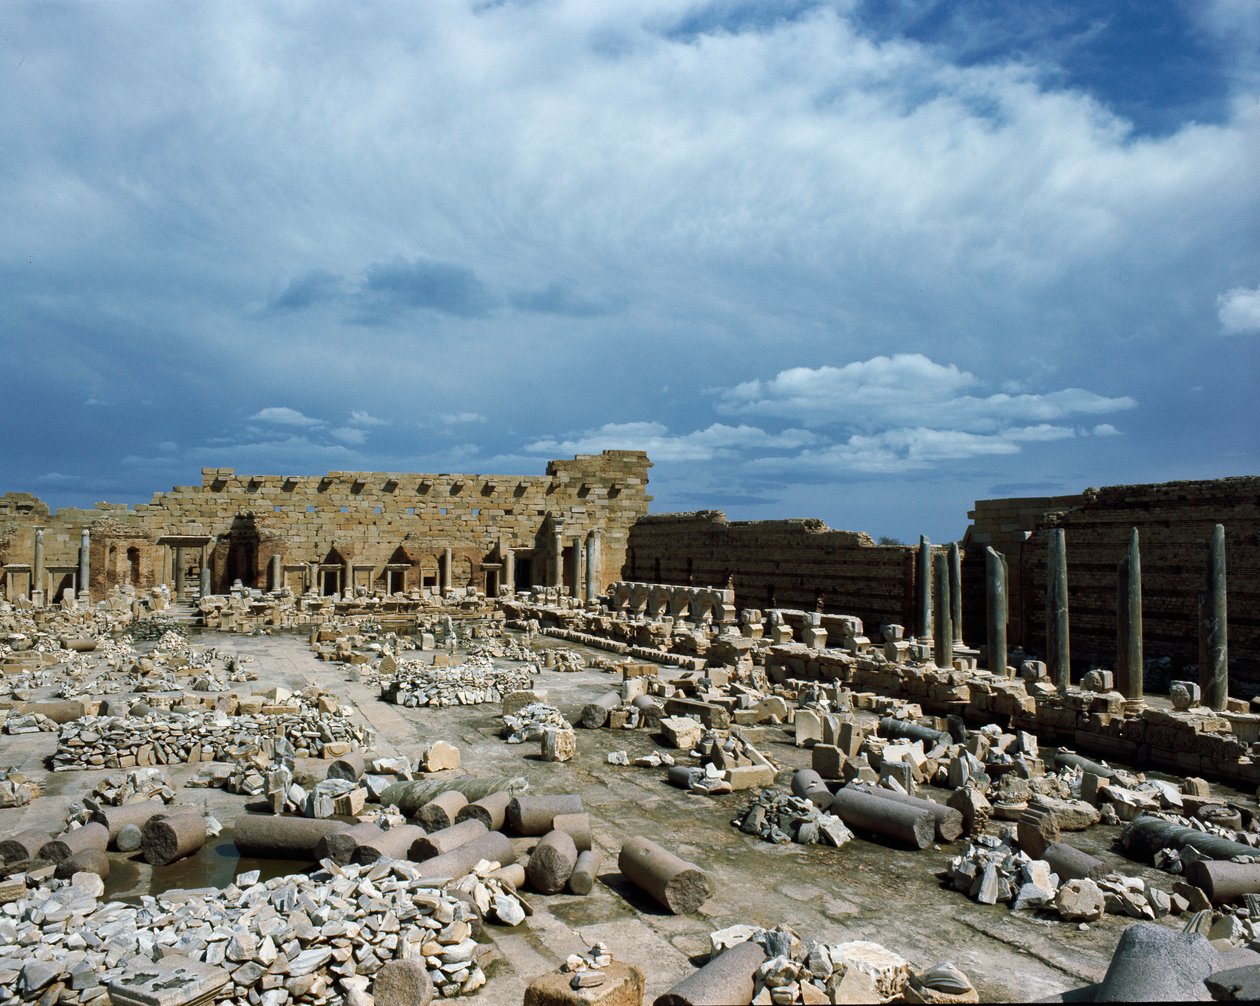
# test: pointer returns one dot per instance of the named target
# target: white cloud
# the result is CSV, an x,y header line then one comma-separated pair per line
x,y
716,441
458,418
349,435
903,390
1105,430
1239,311
282,415
360,418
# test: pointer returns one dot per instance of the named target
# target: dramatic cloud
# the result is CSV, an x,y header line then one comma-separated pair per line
x,y
1016,220
1239,311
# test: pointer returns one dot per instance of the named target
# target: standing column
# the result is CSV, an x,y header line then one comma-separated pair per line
x,y
997,611
313,585
37,566
924,589
347,577
1213,628
955,591
205,579
85,544
276,573
1058,645
593,572
1129,666
177,571
509,570
944,650
557,552
448,569
577,569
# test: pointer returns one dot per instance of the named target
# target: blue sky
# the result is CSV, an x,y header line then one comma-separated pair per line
x,y
866,260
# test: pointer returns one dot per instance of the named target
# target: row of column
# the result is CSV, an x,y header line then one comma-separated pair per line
x,y
585,561
943,626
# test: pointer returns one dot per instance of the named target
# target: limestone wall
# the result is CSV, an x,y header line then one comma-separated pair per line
x,y
777,564
352,524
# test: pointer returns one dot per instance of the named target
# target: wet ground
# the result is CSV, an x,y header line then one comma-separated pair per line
x,y
863,891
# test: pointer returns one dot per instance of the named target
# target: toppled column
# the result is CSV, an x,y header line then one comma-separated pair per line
x,y
340,846
287,837
727,979
923,588
996,608
65,845
23,845
947,820
1058,645
863,812
1224,881
809,784
943,651
493,846
1070,863
167,838
534,815
680,886
1129,666
489,810
552,862
595,714
394,843
441,842
1214,627
582,879
442,811
955,592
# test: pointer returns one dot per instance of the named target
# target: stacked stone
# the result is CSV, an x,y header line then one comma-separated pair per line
x,y
475,682
532,721
125,742
16,790
325,935
777,816
136,786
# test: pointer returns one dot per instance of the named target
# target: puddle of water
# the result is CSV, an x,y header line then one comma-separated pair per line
x,y
216,865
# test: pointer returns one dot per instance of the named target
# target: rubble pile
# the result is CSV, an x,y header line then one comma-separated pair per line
x,y
775,815
127,742
302,939
29,723
797,970
530,722
16,788
557,659
155,628
136,786
474,682
494,897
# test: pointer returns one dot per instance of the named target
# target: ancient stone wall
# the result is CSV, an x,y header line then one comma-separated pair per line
x,y
381,530
777,564
1174,522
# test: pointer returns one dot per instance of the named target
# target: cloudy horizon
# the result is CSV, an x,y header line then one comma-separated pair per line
x,y
863,260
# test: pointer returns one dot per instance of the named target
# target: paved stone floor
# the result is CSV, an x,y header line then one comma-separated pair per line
x,y
863,891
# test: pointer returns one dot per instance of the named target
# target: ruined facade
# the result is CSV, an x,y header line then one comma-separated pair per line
x,y
385,531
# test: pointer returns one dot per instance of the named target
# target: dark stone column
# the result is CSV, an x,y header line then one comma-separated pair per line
x,y
1214,626
955,591
1129,665
1058,645
944,649
924,589
996,610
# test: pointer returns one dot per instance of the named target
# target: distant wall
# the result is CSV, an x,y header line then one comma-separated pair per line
x,y
363,522
777,563
1174,522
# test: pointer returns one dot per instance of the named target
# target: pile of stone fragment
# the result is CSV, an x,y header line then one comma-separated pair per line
x,y
776,967
16,788
727,760
302,938
545,724
777,816
473,682
199,735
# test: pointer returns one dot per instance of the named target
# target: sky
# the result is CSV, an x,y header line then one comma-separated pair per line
x,y
863,260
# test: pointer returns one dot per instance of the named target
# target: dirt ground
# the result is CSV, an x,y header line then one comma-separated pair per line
x,y
865,890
